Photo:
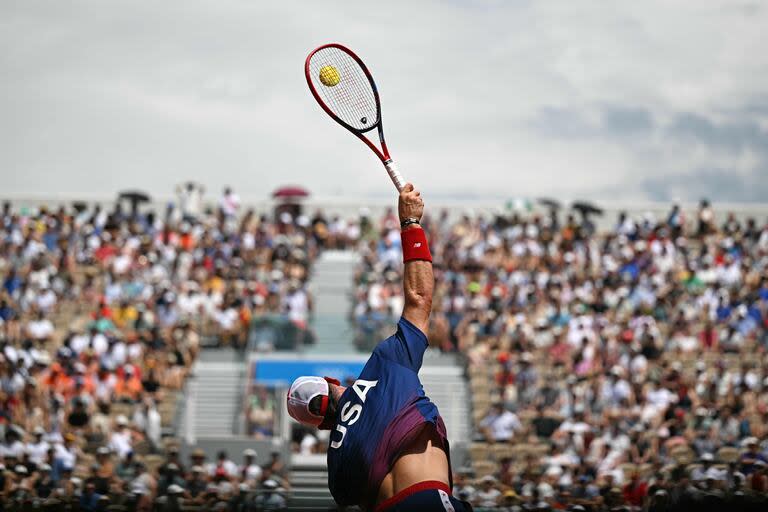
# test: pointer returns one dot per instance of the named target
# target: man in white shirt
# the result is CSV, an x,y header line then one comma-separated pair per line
x,y
40,328
120,441
66,452
229,203
37,450
297,304
500,424
707,471
250,472
223,462
46,300
12,447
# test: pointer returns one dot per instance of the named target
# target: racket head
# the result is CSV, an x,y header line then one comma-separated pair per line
x,y
353,101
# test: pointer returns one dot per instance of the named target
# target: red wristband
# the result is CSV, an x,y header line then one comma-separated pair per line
x,y
415,245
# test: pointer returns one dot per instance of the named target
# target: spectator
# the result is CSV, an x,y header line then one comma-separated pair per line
x,y
270,498
250,472
500,424
121,441
223,466
229,203
488,496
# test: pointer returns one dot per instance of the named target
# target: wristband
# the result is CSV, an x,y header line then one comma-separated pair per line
x,y
415,245
409,221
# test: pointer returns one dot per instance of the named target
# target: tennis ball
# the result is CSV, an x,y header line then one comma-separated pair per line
x,y
329,76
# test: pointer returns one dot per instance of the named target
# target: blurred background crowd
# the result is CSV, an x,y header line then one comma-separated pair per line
x,y
102,315
625,368
609,368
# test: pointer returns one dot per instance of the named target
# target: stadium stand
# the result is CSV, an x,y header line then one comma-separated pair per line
x,y
624,368
102,316
606,368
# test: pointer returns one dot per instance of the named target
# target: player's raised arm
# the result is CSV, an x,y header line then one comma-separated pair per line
x,y
418,280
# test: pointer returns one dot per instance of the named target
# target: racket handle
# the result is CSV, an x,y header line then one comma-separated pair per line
x,y
395,175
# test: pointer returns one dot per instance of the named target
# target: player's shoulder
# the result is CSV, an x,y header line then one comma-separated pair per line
x,y
405,347
407,328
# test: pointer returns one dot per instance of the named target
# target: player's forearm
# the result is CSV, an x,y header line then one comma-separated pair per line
x,y
418,281
418,285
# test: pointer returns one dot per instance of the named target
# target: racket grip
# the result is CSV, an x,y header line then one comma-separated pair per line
x,y
395,175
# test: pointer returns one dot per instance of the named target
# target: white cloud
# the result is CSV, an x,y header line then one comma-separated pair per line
x,y
502,98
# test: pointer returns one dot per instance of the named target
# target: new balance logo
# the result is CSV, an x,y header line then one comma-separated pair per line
x,y
416,245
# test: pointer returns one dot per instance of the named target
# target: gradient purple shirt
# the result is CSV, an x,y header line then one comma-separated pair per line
x,y
378,417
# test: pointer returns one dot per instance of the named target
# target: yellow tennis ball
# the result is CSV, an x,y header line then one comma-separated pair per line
x,y
329,76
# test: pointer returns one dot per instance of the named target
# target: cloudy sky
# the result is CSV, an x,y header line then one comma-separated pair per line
x,y
654,99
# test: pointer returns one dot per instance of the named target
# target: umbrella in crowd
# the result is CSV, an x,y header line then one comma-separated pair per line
x,y
586,208
548,202
290,192
134,198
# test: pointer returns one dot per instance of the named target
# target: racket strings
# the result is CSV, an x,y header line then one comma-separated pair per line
x,y
352,100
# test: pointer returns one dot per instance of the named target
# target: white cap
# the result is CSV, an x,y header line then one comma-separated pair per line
x,y
249,452
302,391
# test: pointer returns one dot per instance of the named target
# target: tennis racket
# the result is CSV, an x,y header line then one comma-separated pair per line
x,y
345,89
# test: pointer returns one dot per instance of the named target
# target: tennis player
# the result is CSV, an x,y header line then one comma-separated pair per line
x,y
388,447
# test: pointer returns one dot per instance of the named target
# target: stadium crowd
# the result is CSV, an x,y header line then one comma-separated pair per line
x,y
618,370
102,314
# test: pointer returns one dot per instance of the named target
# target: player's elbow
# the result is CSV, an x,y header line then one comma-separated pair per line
x,y
421,301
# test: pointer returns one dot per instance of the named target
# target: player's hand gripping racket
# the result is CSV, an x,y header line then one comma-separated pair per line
x,y
344,87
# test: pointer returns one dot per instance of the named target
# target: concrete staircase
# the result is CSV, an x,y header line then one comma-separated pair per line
x,y
215,396
309,484
331,287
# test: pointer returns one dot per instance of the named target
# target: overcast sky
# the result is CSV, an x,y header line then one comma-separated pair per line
x,y
651,99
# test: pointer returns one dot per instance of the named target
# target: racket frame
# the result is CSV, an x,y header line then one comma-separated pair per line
x,y
382,153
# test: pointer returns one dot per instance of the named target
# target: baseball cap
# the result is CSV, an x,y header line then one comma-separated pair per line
x,y
302,392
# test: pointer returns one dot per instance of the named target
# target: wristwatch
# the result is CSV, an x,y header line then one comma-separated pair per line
x,y
408,221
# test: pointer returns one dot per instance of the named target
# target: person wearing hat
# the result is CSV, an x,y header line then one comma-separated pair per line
x,y
706,471
65,455
751,456
488,494
196,483
170,477
388,445
250,471
44,484
37,449
105,471
172,457
121,440
19,489
269,498
509,501
197,457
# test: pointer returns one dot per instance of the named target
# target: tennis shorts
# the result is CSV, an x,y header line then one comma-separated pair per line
x,y
424,497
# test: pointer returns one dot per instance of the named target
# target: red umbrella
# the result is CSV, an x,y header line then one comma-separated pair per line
x,y
290,192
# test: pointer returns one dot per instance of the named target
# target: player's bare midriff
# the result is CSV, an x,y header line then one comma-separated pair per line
x,y
424,460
